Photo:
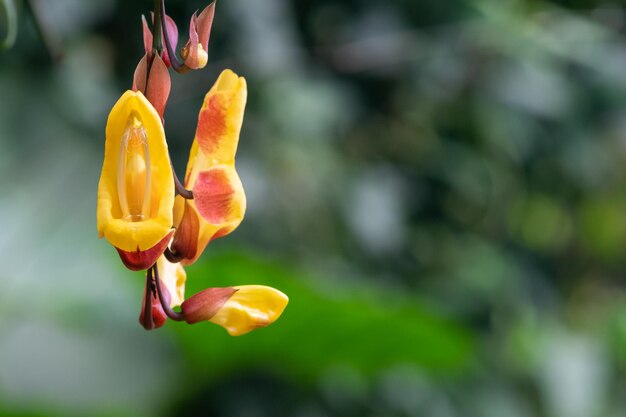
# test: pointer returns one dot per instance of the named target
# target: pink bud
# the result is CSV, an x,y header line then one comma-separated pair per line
x,y
172,36
159,83
195,51
206,304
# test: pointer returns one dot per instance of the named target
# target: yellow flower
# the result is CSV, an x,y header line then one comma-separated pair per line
x,y
237,309
136,189
219,202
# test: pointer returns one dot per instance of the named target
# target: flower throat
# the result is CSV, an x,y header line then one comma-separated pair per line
x,y
133,172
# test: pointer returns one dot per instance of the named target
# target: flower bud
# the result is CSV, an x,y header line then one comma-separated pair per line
x,y
195,51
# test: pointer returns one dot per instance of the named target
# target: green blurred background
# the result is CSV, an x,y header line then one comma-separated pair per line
x,y
437,185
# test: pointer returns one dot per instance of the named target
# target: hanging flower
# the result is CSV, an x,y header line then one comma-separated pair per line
x,y
237,309
158,224
136,189
219,201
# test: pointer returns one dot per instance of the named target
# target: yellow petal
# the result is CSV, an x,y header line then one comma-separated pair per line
x,y
219,125
251,307
174,277
136,189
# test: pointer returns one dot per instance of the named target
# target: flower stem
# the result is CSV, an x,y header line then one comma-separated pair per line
x,y
172,257
179,187
174,315
148,321
157,27
176,64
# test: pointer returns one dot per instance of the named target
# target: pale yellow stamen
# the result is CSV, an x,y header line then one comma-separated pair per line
x,y
133,172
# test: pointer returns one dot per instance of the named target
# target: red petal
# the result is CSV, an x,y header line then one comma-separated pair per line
x,y
140,260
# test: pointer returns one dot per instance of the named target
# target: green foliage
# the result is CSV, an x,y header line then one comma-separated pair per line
x,y
322,326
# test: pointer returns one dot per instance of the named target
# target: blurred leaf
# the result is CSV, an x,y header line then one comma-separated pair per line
x,y
542,223
369,332
603,228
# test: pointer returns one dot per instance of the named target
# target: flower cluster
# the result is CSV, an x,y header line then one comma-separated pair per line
x,y
155,222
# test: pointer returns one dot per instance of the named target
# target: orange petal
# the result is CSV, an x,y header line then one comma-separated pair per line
x,y
212,124
213,195
221,117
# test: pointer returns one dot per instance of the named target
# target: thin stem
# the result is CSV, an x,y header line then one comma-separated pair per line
x,y
157,45
180,188
174,315
173,257
147,308
171,53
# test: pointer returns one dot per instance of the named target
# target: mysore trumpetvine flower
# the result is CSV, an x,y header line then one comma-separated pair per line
x,y
136,189
158,224
239,309
220,202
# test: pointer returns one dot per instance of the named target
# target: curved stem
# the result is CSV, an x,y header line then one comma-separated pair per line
x,y
171,53
174,315
182,191
180,188
148,322
172,257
